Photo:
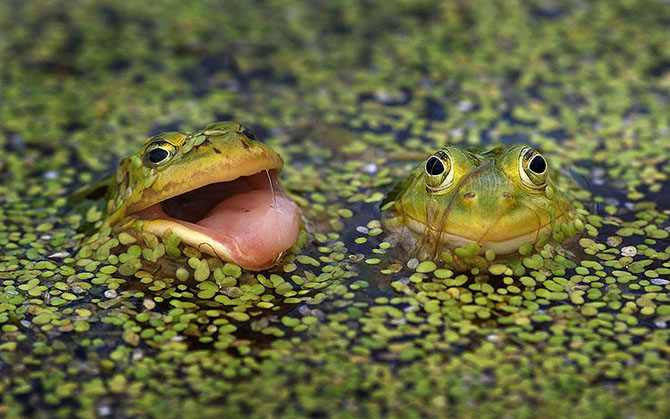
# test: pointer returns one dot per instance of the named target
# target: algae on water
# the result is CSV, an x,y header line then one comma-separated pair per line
x,y
352,95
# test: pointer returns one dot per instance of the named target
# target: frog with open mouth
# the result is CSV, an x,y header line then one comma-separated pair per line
x,y
474,205
217,189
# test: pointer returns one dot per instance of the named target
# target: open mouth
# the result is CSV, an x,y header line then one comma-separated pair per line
x,y
248,221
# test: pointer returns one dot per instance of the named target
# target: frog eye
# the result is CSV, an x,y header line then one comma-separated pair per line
x,y
158,153
532,168
248,133
439,172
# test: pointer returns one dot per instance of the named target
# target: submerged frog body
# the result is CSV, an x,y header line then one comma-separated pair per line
x,y
493,203
216,189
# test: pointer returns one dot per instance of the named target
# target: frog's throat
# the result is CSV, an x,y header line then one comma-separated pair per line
x,y
248,221
506,246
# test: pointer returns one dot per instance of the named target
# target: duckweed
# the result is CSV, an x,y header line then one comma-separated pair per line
x,y
352,322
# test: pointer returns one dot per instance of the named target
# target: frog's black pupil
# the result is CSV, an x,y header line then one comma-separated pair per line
x,y
249,134
434,166
157,155
538,165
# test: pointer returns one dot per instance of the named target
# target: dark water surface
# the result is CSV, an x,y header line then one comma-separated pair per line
x,y
352,95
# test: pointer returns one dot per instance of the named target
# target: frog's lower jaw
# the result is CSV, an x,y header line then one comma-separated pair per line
x,y
452,241
248,221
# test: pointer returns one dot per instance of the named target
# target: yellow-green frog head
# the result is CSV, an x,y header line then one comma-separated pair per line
x,y
217,189
499,200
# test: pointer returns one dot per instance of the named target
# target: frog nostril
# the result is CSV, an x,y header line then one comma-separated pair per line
x,y
468,195
508,199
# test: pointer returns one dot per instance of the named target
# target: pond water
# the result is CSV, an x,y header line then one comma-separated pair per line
x,y
353,95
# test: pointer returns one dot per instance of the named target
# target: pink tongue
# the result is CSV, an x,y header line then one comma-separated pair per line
x,y
259,231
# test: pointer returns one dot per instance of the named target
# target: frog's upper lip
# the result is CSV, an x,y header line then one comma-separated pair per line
x,y
180,179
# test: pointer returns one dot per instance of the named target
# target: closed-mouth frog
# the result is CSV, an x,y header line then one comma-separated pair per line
x,y
494,202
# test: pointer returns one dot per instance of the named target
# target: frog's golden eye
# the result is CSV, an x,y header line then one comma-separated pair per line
x,y
532,168
439,172
158,153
